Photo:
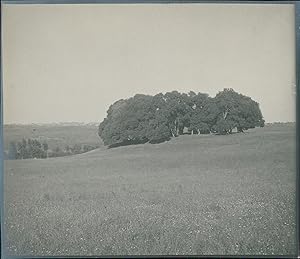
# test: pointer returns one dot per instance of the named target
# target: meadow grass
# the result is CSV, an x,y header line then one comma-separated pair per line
x,y
193,195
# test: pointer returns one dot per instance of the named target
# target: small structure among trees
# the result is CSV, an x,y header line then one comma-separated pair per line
x,y
154,119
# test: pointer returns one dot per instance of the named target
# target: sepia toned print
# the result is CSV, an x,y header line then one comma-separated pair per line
x,y
149,129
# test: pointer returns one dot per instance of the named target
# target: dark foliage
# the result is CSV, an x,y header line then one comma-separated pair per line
x,y
32,148
155,119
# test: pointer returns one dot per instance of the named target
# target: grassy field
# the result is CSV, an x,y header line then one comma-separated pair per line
x,y
54,135
205,195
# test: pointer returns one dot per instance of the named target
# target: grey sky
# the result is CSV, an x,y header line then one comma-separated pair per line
x,y
70,62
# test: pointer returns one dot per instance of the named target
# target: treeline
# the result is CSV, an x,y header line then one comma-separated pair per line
x,y
154,119
33,148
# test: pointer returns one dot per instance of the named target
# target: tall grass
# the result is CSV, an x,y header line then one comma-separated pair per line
x,y
194,195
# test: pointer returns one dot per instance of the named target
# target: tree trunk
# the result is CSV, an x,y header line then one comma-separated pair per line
x,y
172,133
176,127
225,114
240,129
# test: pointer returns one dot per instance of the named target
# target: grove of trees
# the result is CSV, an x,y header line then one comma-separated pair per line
x,y
30,148
154,119
33,148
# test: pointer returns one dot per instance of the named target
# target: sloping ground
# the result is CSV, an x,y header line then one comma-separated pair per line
x,y
219,195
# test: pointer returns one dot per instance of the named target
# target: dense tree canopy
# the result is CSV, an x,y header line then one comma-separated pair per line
x,y
154,119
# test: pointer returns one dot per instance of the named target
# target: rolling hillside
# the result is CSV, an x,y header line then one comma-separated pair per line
x,y
232,195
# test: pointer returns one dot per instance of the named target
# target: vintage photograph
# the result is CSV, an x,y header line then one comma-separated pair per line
x,y
149,129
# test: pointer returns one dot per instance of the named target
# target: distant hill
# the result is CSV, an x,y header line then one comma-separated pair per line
x,y
55,134
292,123
71,123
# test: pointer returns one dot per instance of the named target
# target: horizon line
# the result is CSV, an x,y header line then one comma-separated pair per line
x,y
95,122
